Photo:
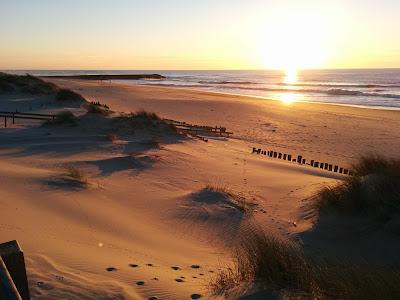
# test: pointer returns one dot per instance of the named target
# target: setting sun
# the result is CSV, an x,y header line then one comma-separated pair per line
x,y
295,42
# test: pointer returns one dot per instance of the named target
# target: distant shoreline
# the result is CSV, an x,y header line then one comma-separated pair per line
x,y
109,76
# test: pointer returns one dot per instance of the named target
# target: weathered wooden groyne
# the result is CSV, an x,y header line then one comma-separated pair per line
x,y
300,159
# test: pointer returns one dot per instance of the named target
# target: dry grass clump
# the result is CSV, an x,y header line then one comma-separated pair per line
x,y
221,191
67,95
77,176
26,84
64,118
373,190
275,264
142,119
97,109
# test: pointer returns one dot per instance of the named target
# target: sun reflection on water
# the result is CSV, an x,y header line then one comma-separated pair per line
x,y
289,79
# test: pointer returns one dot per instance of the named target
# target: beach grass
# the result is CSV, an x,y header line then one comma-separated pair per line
x,y
26,84
273,263
373,190
77,176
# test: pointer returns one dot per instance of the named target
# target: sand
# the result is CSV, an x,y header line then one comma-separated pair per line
x,y
141,205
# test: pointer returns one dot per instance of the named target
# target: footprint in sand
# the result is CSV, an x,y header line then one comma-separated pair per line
x,y
153,298
150,265
155,278
175,268
201,274
111,269
195,266
195,296
133,265
44,286
179,280
140,282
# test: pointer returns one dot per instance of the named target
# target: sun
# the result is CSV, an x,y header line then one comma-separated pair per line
x,y
293,42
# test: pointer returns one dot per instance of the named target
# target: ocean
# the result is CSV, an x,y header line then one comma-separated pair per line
x,y
371,88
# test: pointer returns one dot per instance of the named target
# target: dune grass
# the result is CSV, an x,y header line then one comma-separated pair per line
x,y
67,95
65,118
77,176
275,264
145,120
220,190
373,190
26,84
96,109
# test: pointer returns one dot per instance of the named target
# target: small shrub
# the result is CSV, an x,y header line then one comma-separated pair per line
x,y
96,109
65,118
77,176
222,192
66,95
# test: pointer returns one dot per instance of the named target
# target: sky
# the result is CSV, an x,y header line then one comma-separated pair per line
x,y
199,34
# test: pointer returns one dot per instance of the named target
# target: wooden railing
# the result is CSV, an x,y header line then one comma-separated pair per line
x,y
29,116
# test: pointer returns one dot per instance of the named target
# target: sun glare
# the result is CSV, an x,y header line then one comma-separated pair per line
x,y
290,76
294,42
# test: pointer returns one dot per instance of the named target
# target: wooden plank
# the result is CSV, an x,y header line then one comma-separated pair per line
x,y
13,258
8,290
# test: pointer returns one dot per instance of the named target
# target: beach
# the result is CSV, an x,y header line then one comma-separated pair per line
x,y
138,229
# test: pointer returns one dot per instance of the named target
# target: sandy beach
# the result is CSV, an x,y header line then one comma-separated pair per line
x,y
139,230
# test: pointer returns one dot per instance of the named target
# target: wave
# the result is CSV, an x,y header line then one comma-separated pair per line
x,y
335,91
228,82
332,85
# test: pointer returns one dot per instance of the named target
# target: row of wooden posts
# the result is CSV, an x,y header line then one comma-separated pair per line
x,y
302,161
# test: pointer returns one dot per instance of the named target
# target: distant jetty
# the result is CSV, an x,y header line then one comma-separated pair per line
x,y
109,77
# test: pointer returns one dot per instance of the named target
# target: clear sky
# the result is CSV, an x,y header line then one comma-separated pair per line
x,y
200,34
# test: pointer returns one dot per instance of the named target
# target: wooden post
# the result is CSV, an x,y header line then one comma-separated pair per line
x,y
326,166
8,289
312,163
284,156
335,169
275,154
299,158
340,170
345,171
279,155
13,116
316,164
321,166
330,167
303,162
13,258
289,157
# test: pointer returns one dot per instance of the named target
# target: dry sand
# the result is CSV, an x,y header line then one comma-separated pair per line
x,y
141,208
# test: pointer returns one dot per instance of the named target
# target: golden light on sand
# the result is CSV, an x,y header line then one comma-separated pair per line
x,y
288,98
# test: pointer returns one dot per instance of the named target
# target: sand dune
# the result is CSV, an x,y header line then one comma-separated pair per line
x,y
144,220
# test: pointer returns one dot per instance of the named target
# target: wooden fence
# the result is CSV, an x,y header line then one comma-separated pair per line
x,y
299,159
29,116
199,129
